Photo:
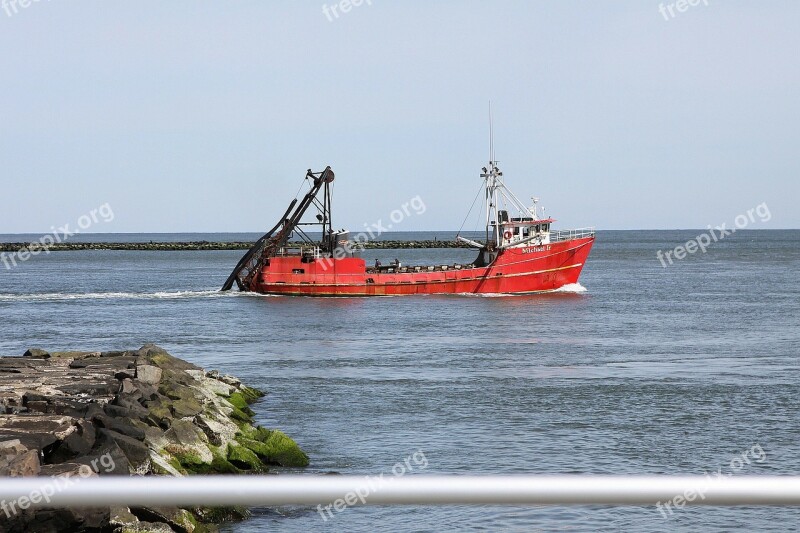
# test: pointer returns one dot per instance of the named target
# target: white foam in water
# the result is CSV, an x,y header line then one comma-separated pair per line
x,y
572,288
60,296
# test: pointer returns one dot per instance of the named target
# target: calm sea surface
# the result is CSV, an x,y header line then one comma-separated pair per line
x,y
649,370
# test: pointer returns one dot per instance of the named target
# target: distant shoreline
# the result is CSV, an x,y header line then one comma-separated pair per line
x,y
13,247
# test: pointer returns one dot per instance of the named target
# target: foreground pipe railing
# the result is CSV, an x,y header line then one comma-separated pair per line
x,y
407,490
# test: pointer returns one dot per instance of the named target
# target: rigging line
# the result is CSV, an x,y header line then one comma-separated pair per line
x,y
333,190
478,221
470,210
301,187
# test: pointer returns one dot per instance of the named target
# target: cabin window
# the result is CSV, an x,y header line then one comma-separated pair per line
x,y
516,231
370,280
298,271
526,231
545,227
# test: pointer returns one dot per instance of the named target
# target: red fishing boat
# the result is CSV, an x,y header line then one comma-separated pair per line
x,y
520,254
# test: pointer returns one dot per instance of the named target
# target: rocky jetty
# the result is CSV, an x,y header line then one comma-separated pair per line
x,y
405,245
24,248
140,413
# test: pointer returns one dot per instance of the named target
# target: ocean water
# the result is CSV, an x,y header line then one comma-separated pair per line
x,y
639,370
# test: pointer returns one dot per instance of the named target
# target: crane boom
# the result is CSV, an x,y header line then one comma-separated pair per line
x,y
252,262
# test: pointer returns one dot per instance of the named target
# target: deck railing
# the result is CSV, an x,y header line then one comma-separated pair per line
x,y
571,234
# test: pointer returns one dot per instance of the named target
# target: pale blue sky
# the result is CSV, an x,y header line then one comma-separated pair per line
x,y
203,116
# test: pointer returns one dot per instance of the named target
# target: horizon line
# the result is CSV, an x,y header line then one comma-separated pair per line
x,y
385,233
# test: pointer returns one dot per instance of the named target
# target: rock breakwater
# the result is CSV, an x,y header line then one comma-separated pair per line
x,y
141,412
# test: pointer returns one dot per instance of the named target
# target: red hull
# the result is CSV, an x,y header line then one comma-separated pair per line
x,y
515,271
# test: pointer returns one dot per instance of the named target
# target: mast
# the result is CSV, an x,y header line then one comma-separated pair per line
x,y
496,193
491,133
492,176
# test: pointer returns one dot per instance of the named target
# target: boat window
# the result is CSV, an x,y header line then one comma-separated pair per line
x,y
545,227
516,230
526,231
298,271
536,228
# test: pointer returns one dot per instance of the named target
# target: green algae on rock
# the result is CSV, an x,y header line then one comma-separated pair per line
x,y
274,447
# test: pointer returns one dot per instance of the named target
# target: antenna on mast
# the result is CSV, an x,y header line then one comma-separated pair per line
x,y
491,134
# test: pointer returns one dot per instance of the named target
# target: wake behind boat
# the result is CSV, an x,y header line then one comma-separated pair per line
x,y
521,254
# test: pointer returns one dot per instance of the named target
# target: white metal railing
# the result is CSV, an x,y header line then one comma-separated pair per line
x,y
570,234
406,490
